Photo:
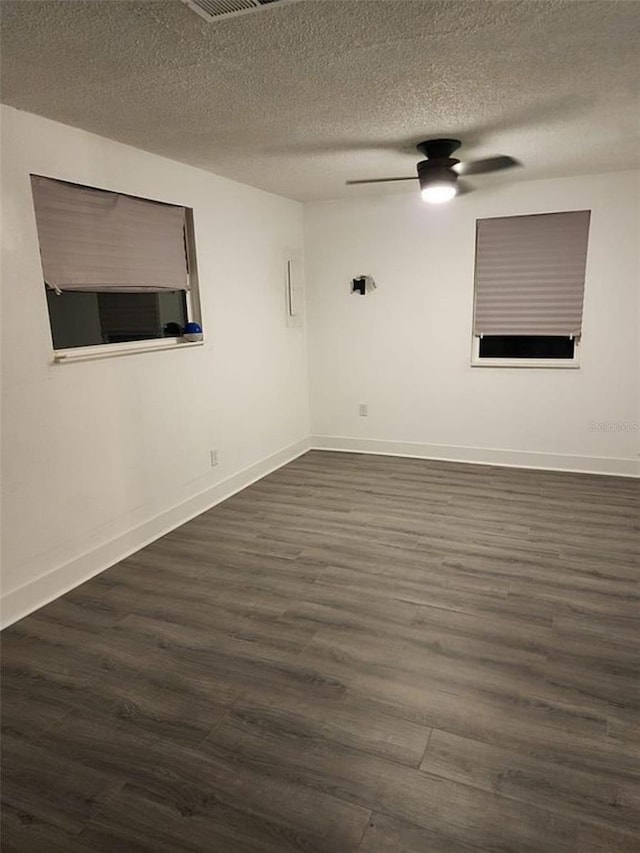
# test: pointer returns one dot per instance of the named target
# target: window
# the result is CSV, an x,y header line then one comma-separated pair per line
x,y
118,270
529,289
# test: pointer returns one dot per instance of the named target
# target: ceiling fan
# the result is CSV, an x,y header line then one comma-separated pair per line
x,y
439,172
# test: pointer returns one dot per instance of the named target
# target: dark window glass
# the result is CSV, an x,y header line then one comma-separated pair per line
x,y
526,346
80,319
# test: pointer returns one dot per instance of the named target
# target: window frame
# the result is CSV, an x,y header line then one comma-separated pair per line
x,y
553,363
192,295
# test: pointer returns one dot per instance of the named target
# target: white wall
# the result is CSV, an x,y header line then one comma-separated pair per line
x,y
101,456
405,349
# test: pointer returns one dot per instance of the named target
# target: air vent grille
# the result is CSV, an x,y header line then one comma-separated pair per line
x,y
211,10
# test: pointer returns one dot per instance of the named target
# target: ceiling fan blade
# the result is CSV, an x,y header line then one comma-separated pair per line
x,y
490,164
382,180
462,188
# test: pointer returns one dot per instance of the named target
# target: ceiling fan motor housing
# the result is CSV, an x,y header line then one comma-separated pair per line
x,y
437,172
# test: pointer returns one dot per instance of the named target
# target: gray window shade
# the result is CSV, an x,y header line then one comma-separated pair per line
x,y
102,241
530,274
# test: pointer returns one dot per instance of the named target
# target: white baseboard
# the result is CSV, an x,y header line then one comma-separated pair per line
x,y
481,455
54,583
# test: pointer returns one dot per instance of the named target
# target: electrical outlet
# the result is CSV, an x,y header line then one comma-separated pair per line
x,y
213,458
363,410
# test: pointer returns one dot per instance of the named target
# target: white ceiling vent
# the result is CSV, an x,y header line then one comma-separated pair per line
x,y
212,9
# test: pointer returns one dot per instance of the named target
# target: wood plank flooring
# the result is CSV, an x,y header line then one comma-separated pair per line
x,y
356,653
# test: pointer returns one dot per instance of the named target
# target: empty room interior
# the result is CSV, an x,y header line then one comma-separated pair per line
x,y
320,426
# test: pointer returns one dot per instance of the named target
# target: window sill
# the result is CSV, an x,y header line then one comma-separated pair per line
x,y
65,356
564,363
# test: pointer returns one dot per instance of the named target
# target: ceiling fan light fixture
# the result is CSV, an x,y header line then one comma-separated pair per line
x,y
438,192
438,181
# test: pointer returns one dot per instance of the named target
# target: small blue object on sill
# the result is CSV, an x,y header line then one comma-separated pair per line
x,y
192,332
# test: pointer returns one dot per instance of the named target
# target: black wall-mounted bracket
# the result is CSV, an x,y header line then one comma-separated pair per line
x,y
362,284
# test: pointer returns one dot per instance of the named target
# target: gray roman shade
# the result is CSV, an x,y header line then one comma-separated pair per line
x,y
103,241
530,274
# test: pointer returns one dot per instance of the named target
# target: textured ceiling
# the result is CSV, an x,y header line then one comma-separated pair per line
x,y
298,98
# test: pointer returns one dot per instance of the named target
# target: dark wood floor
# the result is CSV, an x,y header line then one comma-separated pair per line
x,y
355,653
